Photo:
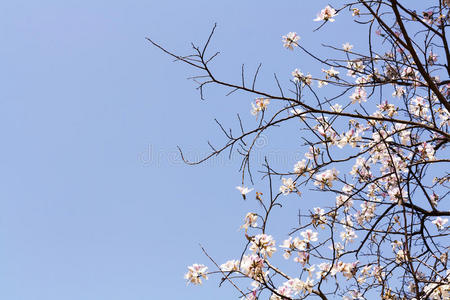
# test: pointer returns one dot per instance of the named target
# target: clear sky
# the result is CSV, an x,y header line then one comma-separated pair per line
x,y
94,201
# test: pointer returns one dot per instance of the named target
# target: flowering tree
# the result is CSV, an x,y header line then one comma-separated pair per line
x,y
376,150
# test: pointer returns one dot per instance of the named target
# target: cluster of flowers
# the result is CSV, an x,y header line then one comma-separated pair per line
x,y
387,149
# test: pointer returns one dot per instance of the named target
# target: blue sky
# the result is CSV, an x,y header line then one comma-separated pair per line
x,y
95,203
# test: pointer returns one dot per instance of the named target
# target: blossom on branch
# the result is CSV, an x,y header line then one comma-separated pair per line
x,y
244,190
325,179
290,40
440,222
347,47
326,14
259,105
288,186
196,273
250,220
300,78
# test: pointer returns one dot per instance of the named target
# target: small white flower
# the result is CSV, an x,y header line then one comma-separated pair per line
x,y
301,167
259,105
336,108
290,40
348,235
326,14
244,190
250,220
196,273
264,244
401,256
440,222
288,186
326,178
359,95
347,47
231,265
331,73
309,235
321,83
300,78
